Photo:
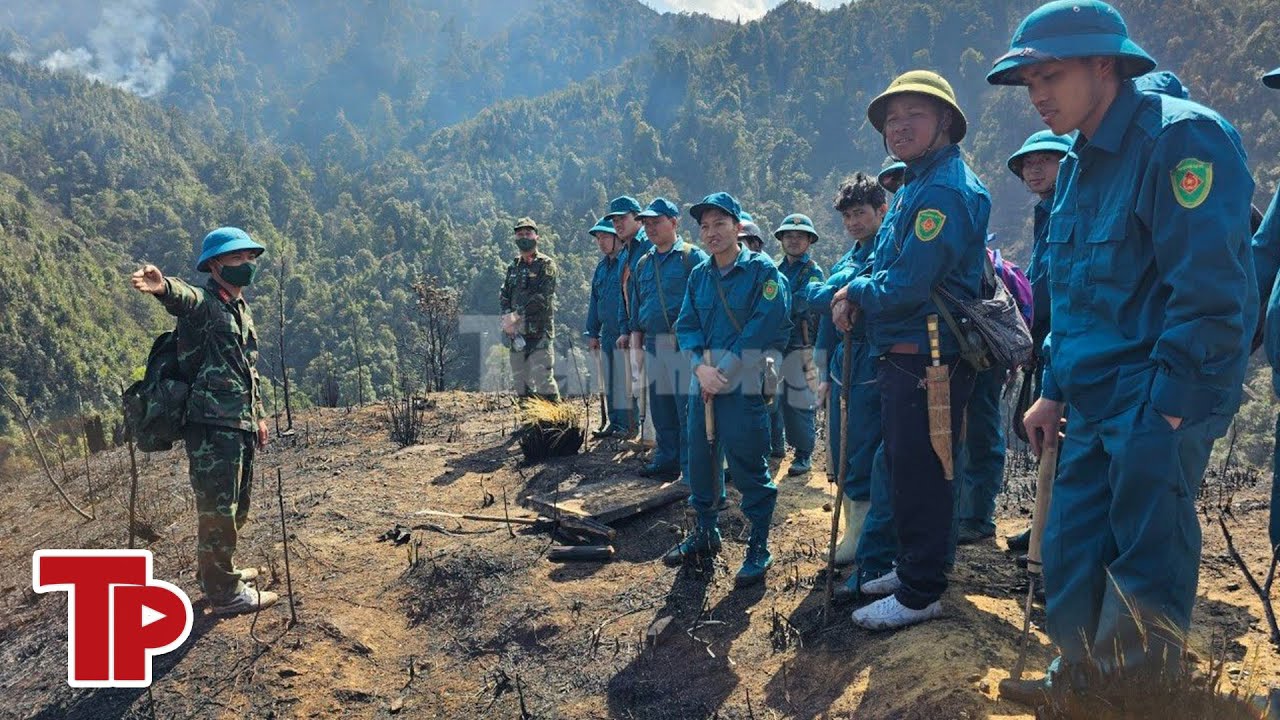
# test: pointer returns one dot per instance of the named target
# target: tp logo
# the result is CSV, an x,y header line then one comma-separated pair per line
x,y
118,617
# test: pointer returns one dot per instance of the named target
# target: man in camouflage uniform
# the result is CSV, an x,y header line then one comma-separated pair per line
x,y
528,315
226,422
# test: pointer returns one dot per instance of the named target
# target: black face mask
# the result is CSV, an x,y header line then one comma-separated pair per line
x,y
238,275
526,244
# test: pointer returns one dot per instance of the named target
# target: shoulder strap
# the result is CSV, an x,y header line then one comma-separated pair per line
x,y
724,302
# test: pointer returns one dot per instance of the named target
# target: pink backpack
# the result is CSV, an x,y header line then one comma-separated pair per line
x,y
1016,282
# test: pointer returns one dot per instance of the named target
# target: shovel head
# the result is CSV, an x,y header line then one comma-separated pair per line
x,y
938,390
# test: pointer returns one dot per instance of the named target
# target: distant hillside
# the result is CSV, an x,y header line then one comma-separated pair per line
x,y
324,129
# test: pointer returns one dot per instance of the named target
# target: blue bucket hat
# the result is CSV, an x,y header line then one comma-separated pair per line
x,y
661,207
1071,29
720,201
1041,141
623,205
222,241
1272,79
796,221
1162,82
604,225
897,168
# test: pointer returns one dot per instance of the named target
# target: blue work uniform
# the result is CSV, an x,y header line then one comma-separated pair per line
x,y
1154,302
792,418
759,300
866,476
602,325
1038,273
934,235
659,285
1266,255
630,256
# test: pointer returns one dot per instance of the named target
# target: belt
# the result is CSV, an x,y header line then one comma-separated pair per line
x,y
904,348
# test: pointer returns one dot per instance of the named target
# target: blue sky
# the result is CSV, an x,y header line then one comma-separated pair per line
x,y
731,9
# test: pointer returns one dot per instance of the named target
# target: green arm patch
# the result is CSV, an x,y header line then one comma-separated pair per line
x,y
1191,179
770,290
929,224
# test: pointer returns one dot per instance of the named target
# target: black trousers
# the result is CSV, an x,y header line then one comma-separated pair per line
x,y
923,498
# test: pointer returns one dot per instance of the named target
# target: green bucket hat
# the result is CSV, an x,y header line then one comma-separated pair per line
x,y
796,221
887,175
923,82
603,225
1041,141
1071,29
1272,79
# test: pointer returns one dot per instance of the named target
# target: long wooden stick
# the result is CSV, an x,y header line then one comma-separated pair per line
x,y
1044,493
709,412
284,535
846,375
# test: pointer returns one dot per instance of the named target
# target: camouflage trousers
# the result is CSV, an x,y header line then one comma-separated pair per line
x,y
533,369
221,469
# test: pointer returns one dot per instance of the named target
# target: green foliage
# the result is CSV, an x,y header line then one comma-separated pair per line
x,y
374,143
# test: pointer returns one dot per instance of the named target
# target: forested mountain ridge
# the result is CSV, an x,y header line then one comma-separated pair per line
x,y
274,125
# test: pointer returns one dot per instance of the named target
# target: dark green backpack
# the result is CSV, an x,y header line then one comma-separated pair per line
x,y
155,407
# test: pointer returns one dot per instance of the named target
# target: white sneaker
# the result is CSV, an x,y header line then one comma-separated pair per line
x,y
886,584
889,614
248,600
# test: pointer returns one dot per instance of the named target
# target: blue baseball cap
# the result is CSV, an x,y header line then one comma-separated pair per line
x,y
222,241
796,221
623,205
1071,29
1041,141
661,207
604,225
720,201
1272,79
1162,82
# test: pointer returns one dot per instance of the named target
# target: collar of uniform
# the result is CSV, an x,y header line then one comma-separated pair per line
x,y
921,165
744,255
1045,204
677,245
1110,133
221,292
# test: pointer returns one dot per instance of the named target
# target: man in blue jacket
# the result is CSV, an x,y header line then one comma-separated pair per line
x,y
934,237
1036,165
1154,302
624,211
659,282
602,326
868,541
1266,253
737,310
794,407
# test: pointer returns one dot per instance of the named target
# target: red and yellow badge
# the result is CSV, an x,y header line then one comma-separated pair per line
x,y
1192,179
770,290
929,224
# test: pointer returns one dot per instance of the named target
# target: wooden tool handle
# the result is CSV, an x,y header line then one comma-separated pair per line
x,y
935,349
1044,492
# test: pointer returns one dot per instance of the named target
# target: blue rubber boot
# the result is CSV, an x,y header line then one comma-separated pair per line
x,y
700,544
758,560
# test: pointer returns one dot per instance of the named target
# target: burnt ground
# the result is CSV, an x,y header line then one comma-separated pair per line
x,y
470,620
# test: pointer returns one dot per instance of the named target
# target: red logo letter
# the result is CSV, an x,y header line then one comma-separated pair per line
x,y
118,617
